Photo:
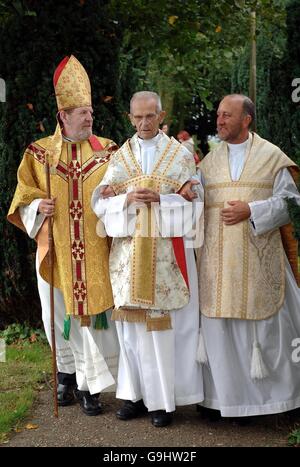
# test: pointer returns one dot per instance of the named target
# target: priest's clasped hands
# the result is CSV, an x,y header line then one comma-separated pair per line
x,y
139,195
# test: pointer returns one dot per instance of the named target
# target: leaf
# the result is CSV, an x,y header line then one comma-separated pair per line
x,y
172,20
31,426
239,3
218,28
107,98
30,13
228,54
41,126
18,6
33,337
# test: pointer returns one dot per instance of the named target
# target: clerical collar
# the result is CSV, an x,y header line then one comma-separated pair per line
x,y
69,140
149,142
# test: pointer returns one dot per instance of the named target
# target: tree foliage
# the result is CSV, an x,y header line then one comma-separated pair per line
x,y
185,49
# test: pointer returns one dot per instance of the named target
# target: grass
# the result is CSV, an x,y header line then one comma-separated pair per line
x,y
21,376
294,438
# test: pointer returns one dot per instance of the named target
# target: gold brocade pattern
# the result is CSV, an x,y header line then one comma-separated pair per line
x,y
144,248
143,261
79,253
220,271
163,156
214,186
134,259
73,87
241,275
80,297
133,161
156,181
245,270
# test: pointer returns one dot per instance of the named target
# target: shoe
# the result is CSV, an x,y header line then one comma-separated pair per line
x,y
131,410
211,414
161,418
89,403
65,395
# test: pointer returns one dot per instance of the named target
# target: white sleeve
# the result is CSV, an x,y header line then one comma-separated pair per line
x,y
31,218
272,213
175,216
118,221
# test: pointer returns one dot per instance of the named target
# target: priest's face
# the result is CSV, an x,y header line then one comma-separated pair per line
x,y
145,117
232,123
77,123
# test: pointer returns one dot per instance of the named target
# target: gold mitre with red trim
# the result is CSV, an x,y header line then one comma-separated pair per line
x,y
72,90
72,85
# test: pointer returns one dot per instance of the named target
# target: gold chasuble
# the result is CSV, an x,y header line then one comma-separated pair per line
x,y
146,279
242,275
81,258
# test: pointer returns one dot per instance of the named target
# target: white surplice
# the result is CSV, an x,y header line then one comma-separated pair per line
x,y
159,367
90,353
228,385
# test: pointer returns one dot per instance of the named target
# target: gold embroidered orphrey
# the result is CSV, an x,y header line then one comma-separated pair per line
x,y
241,275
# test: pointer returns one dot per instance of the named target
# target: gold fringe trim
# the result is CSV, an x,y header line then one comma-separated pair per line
x,y
140,315
158,324
84,320
131,315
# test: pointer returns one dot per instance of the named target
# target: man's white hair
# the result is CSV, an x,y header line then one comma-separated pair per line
x,y
147,95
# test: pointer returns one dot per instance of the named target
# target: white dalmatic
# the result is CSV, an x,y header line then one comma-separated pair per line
x,y
229,386
159,367
91,354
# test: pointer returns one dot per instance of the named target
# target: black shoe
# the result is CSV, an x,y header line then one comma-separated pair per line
x,y
89,403
131,410
65,395
210,414
161,418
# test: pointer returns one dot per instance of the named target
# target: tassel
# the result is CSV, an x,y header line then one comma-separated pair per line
x,y
101,321
258,368
201,355
67,328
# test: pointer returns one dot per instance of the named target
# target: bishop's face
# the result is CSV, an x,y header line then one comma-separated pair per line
x,y
145,118
78,123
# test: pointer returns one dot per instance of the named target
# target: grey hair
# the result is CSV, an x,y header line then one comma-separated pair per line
x,y
147,95
248,106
